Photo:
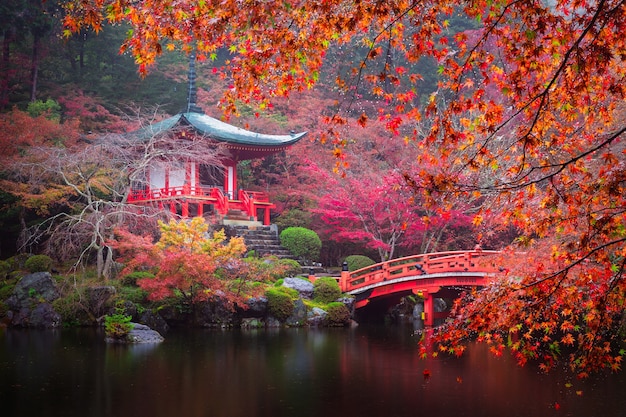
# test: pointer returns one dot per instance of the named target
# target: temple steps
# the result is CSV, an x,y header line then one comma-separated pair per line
x,y
263,240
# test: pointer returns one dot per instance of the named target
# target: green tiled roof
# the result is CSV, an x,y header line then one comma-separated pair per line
x,y
220,131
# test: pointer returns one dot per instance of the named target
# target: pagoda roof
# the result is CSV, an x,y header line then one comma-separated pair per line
x,y
220,131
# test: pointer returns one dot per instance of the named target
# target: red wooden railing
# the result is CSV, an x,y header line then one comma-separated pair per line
x,y
425,264
248,201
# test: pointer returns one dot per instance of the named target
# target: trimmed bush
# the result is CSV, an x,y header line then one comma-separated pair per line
x,y
338,314
293,267
358,261
38,263
279,304
326,290
301,242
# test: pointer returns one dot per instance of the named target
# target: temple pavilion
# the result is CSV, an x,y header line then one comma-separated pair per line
x,y
191,188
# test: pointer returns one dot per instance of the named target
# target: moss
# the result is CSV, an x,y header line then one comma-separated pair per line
x,y
326,290
133,294
6,291
38,263
279,303
338,314
5,268
71,310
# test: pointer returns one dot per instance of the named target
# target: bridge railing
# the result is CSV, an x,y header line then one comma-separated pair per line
x,y
424,264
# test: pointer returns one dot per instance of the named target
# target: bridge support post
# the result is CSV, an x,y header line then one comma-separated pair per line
x,y
429,309
345,275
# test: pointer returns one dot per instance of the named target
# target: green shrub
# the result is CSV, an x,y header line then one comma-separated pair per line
x,y
117,326
358,261
326,290
279,304
70,310
338,314
38,263
133,294
131,279
302,243
5,268
292,267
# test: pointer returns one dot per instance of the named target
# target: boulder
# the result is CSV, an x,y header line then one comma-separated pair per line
x,y
154,321
139,334
303,286
30,304
213,314
97,298
257,307
299,316
317,317
252,323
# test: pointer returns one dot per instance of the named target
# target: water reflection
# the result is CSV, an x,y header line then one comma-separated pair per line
x,y
372,371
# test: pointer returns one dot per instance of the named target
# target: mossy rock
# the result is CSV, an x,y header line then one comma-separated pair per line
x,y
280,303
338,314
326,290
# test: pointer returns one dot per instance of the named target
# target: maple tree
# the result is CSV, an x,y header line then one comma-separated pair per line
x,y
527,117
190,263
80,190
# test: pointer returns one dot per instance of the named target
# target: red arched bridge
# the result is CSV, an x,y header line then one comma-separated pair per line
x,y
423,275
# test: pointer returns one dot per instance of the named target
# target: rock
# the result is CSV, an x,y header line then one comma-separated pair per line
x,y
257,307
252,323
317,317
299,316
139,334
214,314
97,298
154,321
303,286
272,322
30,304
349,302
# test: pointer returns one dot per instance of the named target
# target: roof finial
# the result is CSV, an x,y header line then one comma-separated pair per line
x,y
191,97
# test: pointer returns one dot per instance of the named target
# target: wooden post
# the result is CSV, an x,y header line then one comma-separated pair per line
x,y
345,275
429,309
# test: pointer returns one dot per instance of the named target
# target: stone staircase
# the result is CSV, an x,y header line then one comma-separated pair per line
x,y
263,240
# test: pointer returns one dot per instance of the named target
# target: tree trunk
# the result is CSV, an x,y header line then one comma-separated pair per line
x,y
34,67
108,264
99,261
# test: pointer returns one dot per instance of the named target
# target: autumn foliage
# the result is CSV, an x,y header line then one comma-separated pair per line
x,y
187,263
526,122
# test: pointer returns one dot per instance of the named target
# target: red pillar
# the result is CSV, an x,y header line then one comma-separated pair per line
x,y
200,209
266,217
185,209
429,309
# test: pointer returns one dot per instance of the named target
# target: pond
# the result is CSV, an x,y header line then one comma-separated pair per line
x,y
369,370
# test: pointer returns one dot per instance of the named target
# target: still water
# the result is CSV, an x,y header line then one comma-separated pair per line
x,y
366,371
